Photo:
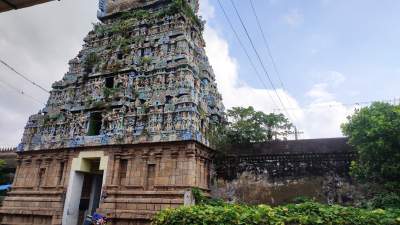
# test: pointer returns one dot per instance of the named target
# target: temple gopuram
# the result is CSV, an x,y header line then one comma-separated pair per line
x,y
124,133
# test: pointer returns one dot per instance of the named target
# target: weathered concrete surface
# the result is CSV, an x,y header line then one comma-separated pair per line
x,y
255,189
277,172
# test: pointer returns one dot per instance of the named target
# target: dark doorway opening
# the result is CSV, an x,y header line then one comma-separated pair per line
x,y
91,191
109,82
94,124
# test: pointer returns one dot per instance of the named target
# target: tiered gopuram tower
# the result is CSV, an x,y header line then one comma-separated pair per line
x,y
124,132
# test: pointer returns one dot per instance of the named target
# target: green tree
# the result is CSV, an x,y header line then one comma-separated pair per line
x,y
374,131
246,125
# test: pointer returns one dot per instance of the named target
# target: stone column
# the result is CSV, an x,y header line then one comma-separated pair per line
x,y
115,170
72,198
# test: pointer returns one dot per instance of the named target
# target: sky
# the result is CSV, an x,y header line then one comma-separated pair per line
x,y
330,57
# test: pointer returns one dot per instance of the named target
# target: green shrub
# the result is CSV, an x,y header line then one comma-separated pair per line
x,y
308,213
374,132
384,200
90,61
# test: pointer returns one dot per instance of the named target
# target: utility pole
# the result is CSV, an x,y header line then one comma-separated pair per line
x,y
297,133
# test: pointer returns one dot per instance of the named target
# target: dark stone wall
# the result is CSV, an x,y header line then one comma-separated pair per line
x,y
277,172
282,159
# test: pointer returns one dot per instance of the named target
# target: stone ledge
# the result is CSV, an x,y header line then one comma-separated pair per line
x,y
145,200
24,211
31,199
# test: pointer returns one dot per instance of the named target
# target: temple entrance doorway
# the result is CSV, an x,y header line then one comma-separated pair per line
x,y
85,186
91,192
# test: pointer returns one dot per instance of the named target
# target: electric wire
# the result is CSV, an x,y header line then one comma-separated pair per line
x,y
393,101
265,40
259,59
21,92
23,76
245,51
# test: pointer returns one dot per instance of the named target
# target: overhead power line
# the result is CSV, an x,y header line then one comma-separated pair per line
x,y
393,101
259,58
265,40
21,92
245,51
23,76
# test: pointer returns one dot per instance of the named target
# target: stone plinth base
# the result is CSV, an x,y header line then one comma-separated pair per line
x,y
54,187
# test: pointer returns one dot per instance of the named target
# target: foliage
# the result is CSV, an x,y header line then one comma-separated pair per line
x,y
129,18
201,199
108,92
145,60
384,200
136,14
90,61
308,213
302,199
183,6
245,125
374,131
99,29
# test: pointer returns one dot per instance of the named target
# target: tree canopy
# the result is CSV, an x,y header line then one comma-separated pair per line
x,y
374,131
246,125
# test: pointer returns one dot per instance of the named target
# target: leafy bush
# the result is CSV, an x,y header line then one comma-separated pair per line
x,y
308,213
383,200
374,131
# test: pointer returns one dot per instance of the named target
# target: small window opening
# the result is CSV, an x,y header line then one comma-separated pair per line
x,y
61,173
123,167
42,173
151,172
119,55
110,82
94,124
168,99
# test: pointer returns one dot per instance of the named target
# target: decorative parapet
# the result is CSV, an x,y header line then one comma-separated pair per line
x,y
293,158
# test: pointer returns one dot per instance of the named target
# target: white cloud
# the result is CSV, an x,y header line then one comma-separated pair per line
x,y
293,18
234,91
319,93
324,114
318,119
